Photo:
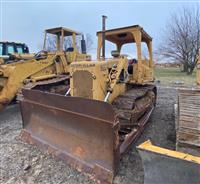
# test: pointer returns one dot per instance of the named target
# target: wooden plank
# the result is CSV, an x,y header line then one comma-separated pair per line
x,y
188,130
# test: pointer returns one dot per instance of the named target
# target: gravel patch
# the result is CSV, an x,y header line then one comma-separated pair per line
x,y
22,163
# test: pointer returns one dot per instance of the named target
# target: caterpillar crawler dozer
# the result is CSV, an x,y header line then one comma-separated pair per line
x,y
105,109
183,165
45,71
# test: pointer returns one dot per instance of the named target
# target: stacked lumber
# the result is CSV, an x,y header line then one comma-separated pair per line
x,y
188,124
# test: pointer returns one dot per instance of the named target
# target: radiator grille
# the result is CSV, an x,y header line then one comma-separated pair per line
x,y
83,84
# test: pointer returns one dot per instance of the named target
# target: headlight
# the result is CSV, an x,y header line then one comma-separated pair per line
x,y
198,66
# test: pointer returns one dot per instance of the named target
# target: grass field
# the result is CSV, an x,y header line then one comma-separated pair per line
x,y
169,76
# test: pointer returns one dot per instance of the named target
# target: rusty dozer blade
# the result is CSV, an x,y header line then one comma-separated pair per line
x,y
82,132
167,166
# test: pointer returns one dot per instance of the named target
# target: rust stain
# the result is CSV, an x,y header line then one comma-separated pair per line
x,y
79,152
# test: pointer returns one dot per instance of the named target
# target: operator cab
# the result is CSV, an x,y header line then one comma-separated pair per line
x,y
136,43
64,39
9,48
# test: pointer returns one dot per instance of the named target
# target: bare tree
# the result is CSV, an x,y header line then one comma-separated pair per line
x,y
182,38
88,39
51,43
68,43
89,42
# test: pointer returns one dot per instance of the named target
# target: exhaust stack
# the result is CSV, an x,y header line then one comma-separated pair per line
x,y
83,45
103,35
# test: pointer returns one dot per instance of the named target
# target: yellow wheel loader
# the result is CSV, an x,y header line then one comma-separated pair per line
x,y
104,111
45,71
183,165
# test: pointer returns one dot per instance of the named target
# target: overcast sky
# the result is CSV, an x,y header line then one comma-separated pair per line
x,y
26,21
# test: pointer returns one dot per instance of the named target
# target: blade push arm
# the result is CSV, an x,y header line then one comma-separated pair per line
x,y
114,75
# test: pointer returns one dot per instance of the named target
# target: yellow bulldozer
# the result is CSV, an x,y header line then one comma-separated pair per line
x,y
47,70
104,111
183,165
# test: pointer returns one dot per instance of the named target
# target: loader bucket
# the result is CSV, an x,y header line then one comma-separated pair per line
x,y
167,166
82,132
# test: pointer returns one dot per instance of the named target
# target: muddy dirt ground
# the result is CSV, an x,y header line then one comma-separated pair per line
x,y
21,163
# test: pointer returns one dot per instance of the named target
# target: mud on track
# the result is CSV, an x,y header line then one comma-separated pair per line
x,y
22,163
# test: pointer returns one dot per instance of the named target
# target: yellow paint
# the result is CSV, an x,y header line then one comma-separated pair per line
x,y
143,71
35,79
15,56
1,61
13,76
101,79
175,154
104,75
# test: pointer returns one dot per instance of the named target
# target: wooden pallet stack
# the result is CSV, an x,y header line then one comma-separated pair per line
x,y
188,121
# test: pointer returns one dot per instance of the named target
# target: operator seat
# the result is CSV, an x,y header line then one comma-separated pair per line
x,y
70,49
115,53
130,65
